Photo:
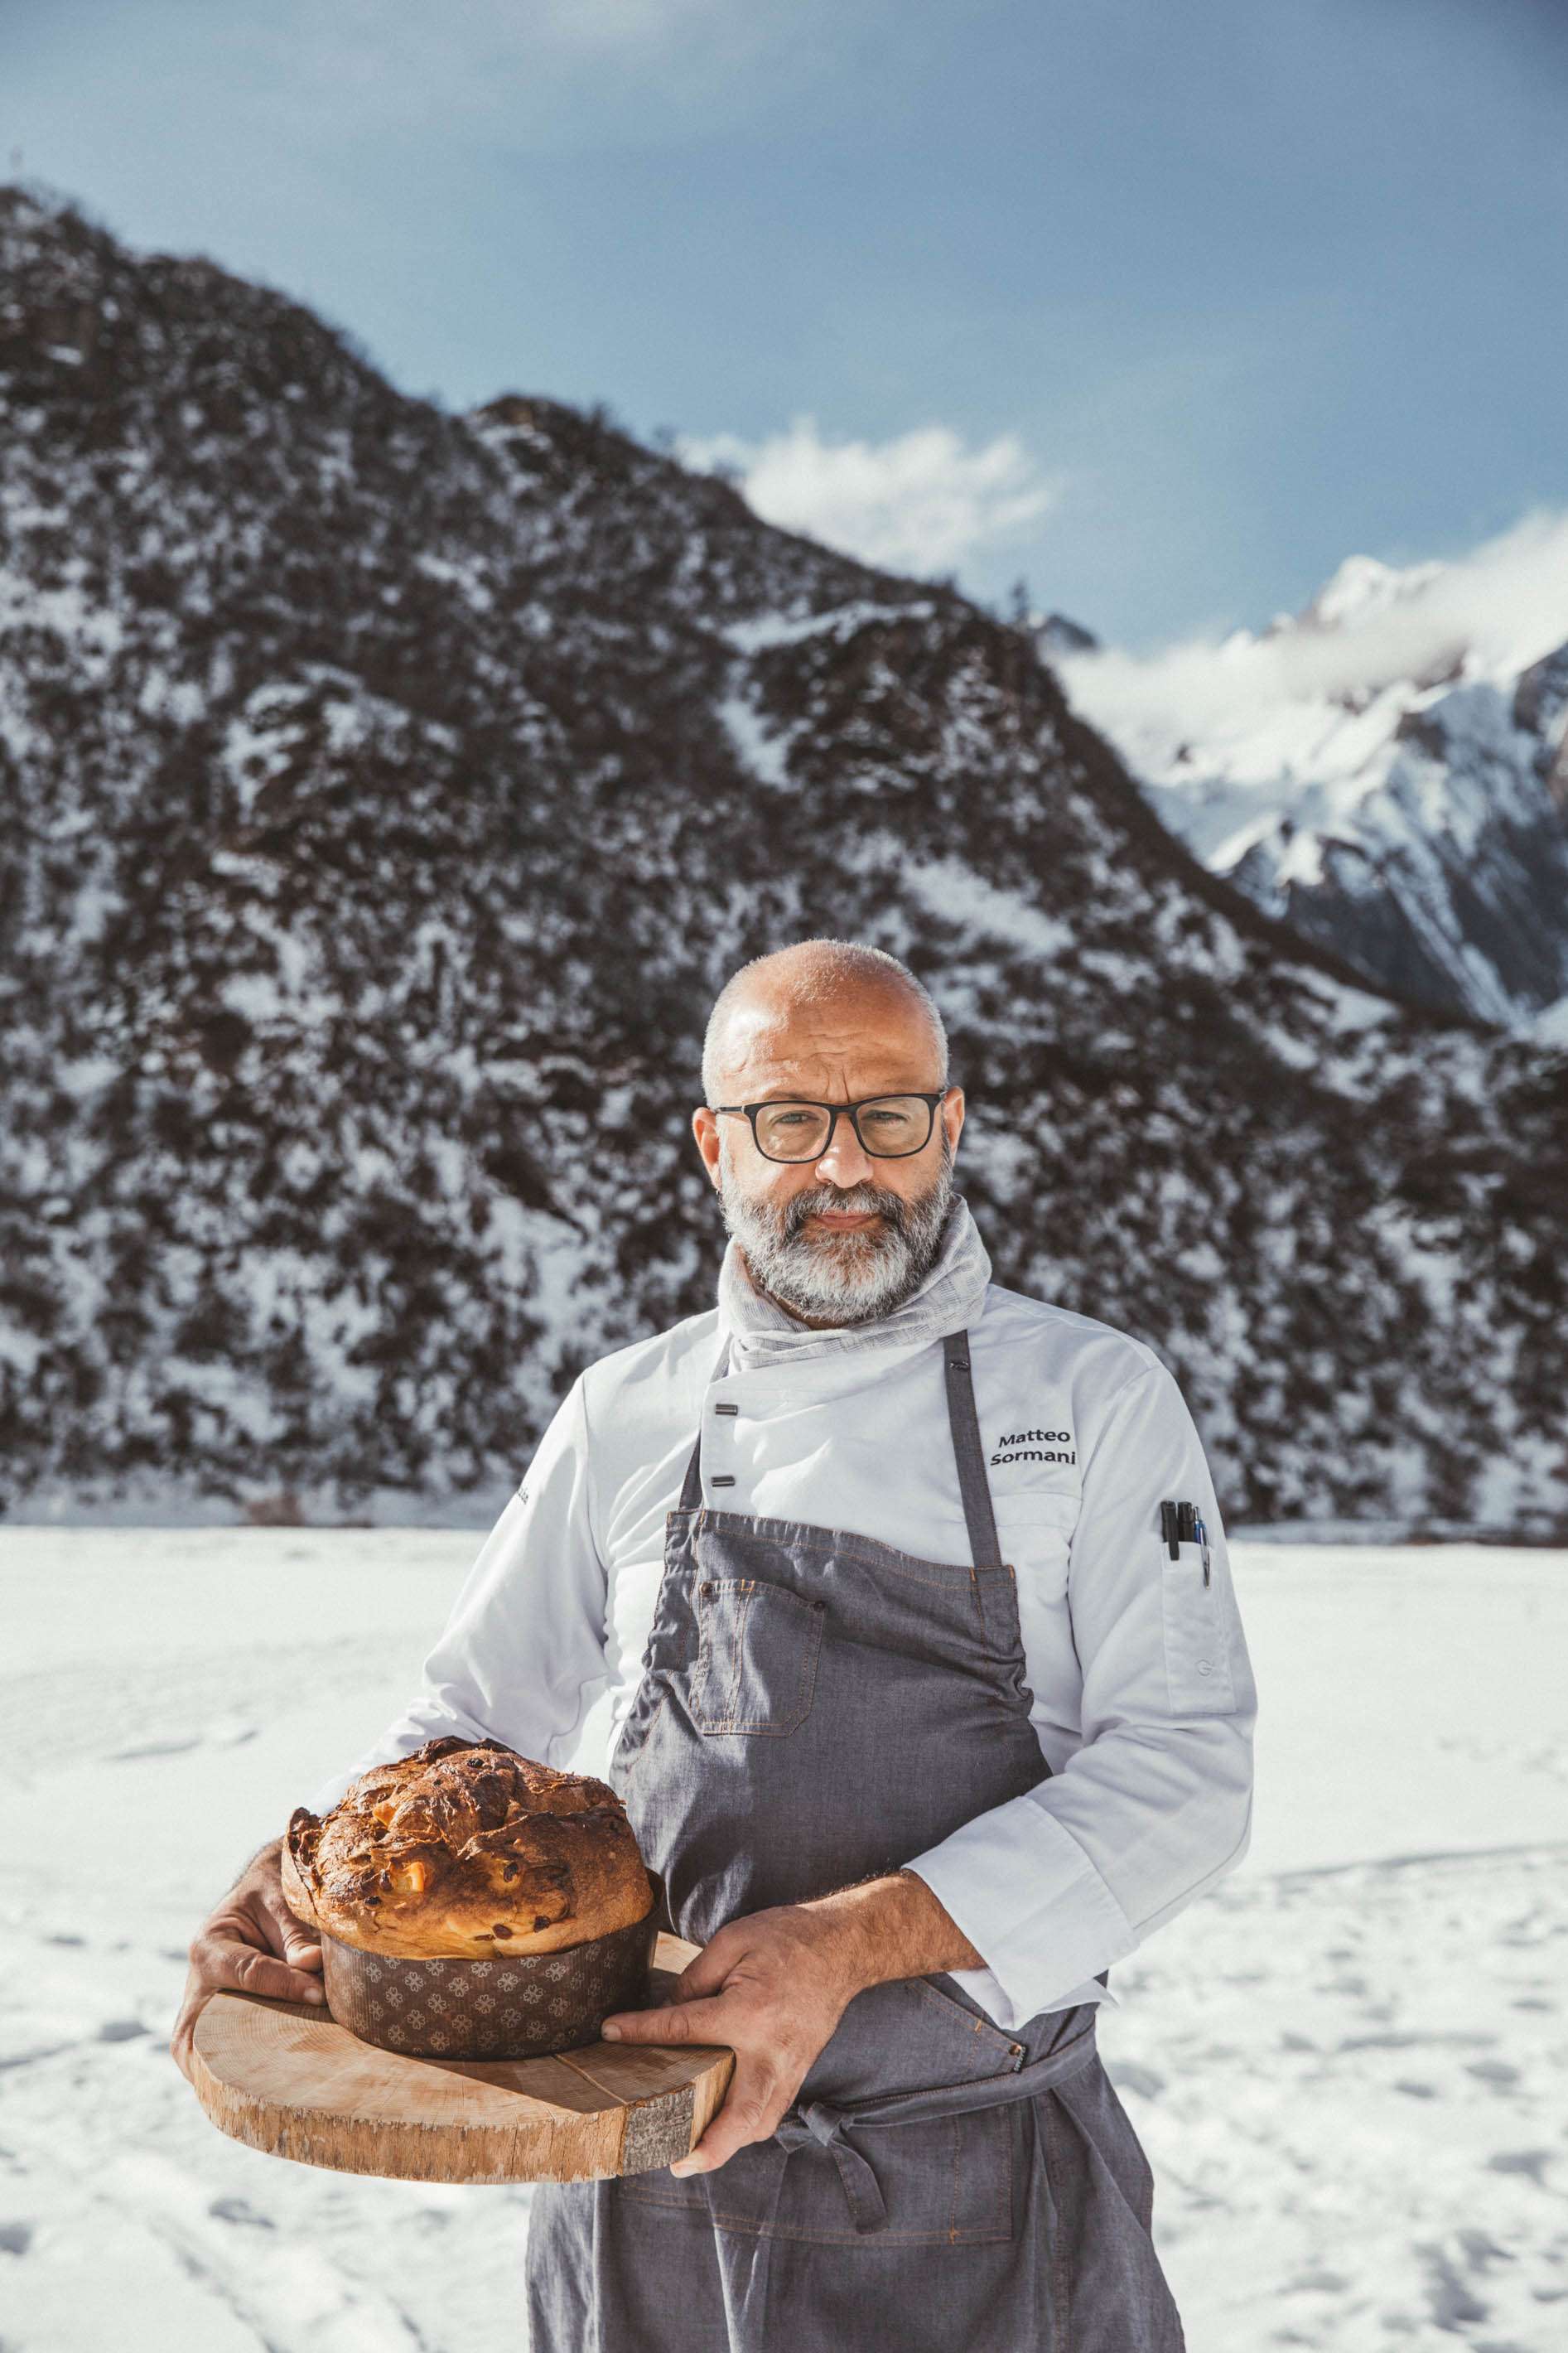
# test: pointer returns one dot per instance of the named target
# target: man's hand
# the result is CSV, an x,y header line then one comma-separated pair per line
x,y
774,1985
252,1941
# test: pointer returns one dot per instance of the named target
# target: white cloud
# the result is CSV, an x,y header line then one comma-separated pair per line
x,y
1502,606
922,502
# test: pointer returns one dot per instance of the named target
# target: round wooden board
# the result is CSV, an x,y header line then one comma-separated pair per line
x,y
284,2077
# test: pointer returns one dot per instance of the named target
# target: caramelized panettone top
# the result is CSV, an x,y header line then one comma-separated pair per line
x,y
469,1849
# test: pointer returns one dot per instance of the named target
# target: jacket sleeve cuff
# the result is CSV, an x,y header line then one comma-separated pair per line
x,y
1032,1904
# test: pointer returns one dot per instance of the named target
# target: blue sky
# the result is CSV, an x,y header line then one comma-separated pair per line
x,y
1167,308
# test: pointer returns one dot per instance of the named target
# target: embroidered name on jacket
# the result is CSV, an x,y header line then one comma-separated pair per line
x,y
1035,1446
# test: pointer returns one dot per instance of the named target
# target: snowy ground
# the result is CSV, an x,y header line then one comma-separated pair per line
x,y
1348,2066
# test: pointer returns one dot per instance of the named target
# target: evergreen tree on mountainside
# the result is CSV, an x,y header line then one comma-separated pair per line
x,y
386,795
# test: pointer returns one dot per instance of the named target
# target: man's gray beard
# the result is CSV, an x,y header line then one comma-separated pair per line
x,y
850,1276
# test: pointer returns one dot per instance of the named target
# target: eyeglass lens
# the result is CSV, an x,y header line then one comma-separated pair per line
x,y
889,1127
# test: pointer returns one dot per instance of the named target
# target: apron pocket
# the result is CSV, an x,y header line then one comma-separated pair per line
x,y
903,2036
949,2183
756,1657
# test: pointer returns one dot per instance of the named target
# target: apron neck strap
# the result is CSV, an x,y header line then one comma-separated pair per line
x,y
969,1453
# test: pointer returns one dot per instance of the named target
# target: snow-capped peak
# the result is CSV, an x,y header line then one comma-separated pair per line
x,y
1363,586
1385,767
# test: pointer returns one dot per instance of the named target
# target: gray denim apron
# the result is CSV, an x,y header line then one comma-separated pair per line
x,y
815,1708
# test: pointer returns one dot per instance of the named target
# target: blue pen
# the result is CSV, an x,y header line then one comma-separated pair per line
x,y
1203,1540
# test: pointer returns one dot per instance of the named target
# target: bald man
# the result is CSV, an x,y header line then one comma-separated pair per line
x,y
925,1704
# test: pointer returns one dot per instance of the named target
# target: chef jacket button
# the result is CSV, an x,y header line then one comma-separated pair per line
x,y
1203,1667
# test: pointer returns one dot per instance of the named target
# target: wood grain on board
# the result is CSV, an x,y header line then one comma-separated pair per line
x,y
284,2077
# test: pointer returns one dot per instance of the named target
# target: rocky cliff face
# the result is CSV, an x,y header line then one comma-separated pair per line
x,y
385,795
1394,787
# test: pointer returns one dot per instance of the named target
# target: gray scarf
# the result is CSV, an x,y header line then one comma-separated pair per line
x,y
949,1297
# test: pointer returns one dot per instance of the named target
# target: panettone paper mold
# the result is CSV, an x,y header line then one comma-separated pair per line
x,y
516,2007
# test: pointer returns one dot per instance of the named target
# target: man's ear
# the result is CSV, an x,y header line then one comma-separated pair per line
x,y
704,1127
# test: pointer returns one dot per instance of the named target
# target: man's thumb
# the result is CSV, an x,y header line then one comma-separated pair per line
x,y
299,1945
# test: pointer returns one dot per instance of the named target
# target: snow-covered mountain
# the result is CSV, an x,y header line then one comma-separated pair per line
x,y
1386,769
385,796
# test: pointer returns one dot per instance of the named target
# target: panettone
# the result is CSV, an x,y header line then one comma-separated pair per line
x,y
466,1849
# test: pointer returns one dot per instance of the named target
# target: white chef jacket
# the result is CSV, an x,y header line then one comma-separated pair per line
x,y
1143,1696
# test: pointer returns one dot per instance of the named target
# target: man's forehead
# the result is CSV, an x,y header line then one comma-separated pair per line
x,y
884,1035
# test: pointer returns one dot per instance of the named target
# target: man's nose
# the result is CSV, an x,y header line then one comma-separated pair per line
x,y
845,1163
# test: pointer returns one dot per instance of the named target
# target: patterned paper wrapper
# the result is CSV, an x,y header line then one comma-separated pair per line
x,y
515,2008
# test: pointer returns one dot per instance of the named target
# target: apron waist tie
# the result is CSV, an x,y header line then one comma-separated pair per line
x,y
822,2124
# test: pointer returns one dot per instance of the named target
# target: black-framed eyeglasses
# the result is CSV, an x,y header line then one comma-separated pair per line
x,y
887,1127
